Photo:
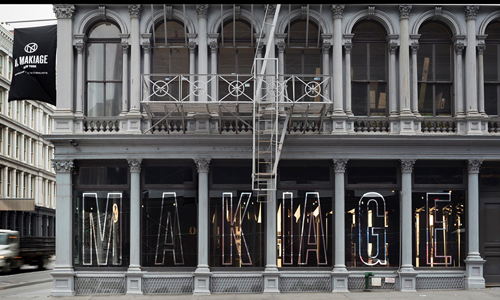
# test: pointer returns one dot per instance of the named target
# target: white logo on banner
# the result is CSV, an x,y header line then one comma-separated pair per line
x,y
30,48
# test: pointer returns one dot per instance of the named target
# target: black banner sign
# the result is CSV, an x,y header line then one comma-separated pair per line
x,y
34,55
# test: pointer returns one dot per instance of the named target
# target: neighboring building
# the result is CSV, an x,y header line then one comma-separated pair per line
x,y
27,179
238,148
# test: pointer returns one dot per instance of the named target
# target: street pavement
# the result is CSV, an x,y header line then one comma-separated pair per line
x,y
31,284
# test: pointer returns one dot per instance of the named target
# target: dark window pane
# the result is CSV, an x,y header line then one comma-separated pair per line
x,y
438,175
369,174
168,175
231,174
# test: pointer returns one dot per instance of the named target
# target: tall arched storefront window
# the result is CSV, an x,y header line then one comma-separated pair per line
x,y
435,70
104,70
369,69
492,69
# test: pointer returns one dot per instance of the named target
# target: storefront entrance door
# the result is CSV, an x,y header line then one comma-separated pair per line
x,y
490,237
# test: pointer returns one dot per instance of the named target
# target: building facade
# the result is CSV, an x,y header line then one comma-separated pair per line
x,y
230,148
27,179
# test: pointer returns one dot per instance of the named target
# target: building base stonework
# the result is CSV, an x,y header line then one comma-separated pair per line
x,y
64,282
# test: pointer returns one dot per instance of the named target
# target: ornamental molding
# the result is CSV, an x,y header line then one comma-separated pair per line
x,y
63,166
474,165
339,165
407,166
64,11
134,165
202,164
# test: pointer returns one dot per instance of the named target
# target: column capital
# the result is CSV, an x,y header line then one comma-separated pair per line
x,y
202,10
471,12
63,166
134,10
474,165
338,11
404,11
134,165
202,164
339,165
64,11
407,165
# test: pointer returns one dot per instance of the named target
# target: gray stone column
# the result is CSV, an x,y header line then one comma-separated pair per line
x,y
63,115
271,273
338,95
404,60
347,49
474,263
202,10
339,274
134,273
407,274
63,273
135,58
480,75
470,59
202,273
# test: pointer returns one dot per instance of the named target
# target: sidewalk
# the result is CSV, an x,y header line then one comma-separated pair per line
x,y
43,290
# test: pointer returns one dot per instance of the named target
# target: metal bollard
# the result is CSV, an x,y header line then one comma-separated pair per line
x,y
368,275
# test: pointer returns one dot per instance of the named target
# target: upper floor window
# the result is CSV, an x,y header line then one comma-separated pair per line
x,y
236,57
303,58
170,59
104,70
369,69
170,52
492,69
236,48
435,70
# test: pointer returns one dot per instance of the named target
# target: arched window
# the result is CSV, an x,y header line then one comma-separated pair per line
x,y
492,69
369,69
435,70
104,70
236,57
303,57
170,52
171,59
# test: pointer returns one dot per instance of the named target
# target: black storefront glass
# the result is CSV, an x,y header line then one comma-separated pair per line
x,y
439,214
304,215
236,218
372,214
372,228
101,216
169,214
439,238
